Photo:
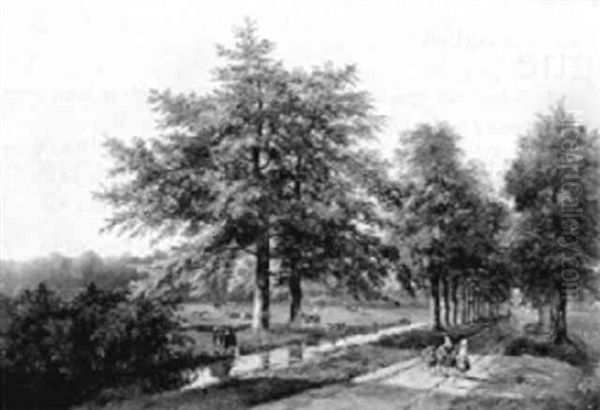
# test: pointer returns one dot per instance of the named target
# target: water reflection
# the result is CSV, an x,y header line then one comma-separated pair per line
x,y
222,369
282,357
296,353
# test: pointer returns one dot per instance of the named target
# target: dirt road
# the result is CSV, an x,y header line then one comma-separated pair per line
x,y
494,382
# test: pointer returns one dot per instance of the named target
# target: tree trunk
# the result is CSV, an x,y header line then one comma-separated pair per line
x,y
466,304
295,287
471,304
260,319
559,325
553,311
544,316
484,310
435,301
559,305
455,301
295,280
261,315
446,295
540,315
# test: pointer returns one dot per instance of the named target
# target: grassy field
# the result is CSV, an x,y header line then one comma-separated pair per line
x,y
337,320
585,325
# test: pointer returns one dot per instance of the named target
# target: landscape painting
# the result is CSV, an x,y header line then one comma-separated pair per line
x,y
299,205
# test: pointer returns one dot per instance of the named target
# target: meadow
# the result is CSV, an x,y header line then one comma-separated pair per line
x,y
545,382
338,318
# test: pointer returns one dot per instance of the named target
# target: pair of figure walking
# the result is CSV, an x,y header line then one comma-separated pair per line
x,y
448,356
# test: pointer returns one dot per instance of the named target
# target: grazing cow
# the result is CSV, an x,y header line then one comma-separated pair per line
x,y
231,343
218,337
338,327
462,358
311,318
224,339
352,308
200,314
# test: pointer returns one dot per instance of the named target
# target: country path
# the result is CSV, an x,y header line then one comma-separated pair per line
x,y
494,381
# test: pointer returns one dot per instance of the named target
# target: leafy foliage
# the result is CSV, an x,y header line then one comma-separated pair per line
x,y
251,166
555,185
450,223
59,352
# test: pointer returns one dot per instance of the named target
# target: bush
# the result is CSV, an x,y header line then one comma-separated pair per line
x,y
59,352
415,339
419,339
573,353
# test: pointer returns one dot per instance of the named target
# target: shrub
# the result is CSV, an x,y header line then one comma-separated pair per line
x,y
573,353
63,352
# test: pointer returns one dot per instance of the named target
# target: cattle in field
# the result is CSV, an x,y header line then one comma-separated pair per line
x,y
309,318
339,327
224,339
352,307
200,314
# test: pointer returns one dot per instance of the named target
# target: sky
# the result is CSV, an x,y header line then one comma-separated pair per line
x,y
73,73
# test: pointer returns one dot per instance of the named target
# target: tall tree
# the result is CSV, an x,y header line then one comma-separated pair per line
x,y
214,165
330,119
236,167
555,184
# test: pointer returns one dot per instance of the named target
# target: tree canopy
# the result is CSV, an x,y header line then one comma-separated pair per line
x,y
249,166
555,185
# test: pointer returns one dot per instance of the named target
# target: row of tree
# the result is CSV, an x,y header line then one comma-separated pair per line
x,y
275,163
452,224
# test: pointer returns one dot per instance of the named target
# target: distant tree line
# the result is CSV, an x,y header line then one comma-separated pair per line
x,y
68,275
